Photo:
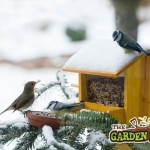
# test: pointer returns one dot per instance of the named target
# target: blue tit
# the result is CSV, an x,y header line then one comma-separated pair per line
x,y
55,105
59,109
127,42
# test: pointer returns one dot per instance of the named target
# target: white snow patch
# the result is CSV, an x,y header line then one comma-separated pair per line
x,y
37,28
1,147
48,133
14,119
3,126
103,56
143,33
95,137
85,110
20,124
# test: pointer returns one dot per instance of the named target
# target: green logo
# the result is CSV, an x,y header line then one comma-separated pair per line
x,y
138,132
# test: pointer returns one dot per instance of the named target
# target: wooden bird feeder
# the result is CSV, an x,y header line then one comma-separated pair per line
x,y
112,80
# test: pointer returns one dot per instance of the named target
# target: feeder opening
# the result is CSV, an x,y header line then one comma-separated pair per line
x,y
106,90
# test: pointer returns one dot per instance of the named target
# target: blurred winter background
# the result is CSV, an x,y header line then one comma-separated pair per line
x,y
38,36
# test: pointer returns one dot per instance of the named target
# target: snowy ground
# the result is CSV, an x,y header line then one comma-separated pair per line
x,y
32,28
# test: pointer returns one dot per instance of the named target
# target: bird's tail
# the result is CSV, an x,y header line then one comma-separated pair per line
x,y
142,50
4,111
76,107
78,104
145,52
9,108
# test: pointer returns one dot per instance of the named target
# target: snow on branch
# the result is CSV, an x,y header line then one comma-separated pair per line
x,y
97,137
48,134
61,82
68,91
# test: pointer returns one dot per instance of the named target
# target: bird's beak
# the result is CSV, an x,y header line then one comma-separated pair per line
x,y
115,38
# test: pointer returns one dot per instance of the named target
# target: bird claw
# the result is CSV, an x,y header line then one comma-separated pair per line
x,y
25,112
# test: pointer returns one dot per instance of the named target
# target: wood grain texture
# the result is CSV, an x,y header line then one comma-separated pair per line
x,y
146,89
92,72
83,95
123,147
116,112
134,85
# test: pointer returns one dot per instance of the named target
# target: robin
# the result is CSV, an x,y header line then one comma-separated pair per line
x,y
25,100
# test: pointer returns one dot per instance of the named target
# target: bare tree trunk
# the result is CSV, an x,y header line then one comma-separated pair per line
x,y
126,18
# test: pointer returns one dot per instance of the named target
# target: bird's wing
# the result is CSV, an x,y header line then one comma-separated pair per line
x,y
63,106
23,100
16,101
20,104
131,46
60,106
60,113
13,105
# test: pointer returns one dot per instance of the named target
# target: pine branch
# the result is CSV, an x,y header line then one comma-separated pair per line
x,y
76,123
51,141
16,130
91,119
43,148
26,141
69,133
62,83
10,132
68,92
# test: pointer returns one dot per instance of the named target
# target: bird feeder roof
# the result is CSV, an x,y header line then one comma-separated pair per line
x,y
104,57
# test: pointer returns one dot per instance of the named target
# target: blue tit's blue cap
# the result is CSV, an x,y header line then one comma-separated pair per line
x,y
115,35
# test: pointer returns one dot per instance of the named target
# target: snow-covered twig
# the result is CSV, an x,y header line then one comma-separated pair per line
x,y
62,83
48,134
97,137
68,91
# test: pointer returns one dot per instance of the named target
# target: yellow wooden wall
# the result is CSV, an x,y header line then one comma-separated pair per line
x,y
146,90
134,90
83,95
117,112
137,91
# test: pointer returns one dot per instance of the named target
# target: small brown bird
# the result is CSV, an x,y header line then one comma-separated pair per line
x,y
25,100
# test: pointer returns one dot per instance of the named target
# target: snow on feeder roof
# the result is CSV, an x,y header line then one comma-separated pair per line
x,y
104,57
